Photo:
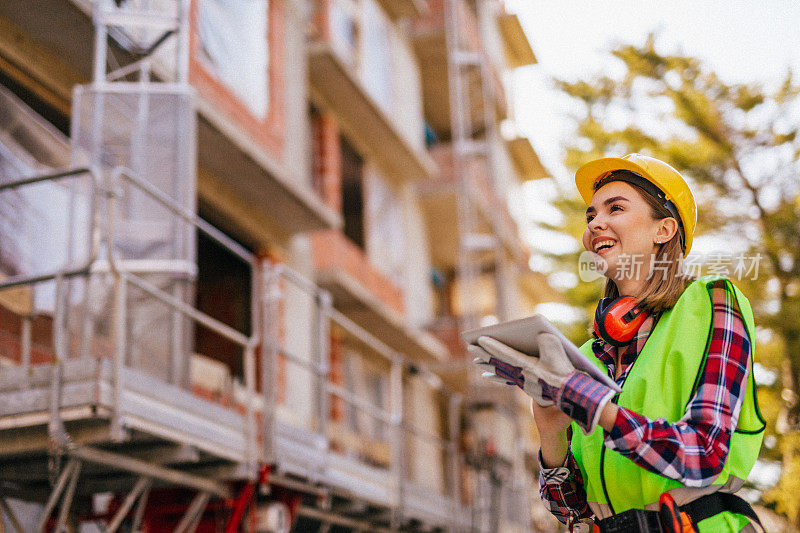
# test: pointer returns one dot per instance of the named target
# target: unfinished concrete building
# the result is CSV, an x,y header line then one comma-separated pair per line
x,y
239,238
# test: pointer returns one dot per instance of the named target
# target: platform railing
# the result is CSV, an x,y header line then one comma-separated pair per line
x,y
247,343
72,268
101,237
266,297
400,429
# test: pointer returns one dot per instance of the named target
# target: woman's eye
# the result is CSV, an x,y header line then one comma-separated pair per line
x,y
589,218
616,207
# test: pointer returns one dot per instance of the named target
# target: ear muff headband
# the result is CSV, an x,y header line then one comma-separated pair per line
x,y
637,180
616,321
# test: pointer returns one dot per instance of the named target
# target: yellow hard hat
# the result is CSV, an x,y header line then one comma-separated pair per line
x,y
667,179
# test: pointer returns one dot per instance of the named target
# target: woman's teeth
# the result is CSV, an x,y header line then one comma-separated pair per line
x,y
603,245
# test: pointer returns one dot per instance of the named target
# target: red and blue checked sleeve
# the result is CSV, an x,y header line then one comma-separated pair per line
x,y
563,492
693,450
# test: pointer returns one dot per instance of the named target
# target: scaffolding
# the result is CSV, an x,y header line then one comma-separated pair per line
x,y
471,87
100,419
104,405
480,246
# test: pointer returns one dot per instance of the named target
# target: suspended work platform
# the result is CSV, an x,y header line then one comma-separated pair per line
x,y
92,400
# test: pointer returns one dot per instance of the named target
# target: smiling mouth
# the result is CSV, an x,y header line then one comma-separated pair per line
x,y
604,245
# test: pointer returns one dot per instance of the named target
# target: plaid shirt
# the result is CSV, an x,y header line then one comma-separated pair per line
x,y
691,450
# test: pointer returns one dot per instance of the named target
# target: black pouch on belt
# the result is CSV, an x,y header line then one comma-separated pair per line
x,y
631,520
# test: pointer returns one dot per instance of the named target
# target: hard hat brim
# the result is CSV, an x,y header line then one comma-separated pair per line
x,y
589,173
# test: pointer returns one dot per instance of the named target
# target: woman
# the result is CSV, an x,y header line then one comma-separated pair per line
x,y
685,430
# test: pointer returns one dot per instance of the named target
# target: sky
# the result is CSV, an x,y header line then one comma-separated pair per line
x,y
754,40
744,41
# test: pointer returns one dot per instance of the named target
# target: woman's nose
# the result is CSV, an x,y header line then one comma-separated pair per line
x,y
597,223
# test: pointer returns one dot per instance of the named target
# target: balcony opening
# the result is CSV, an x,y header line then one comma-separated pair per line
x,y
352,193
317,151
354,431
442,281
223,292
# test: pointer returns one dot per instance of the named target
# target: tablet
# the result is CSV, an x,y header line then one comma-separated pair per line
x,y
521,335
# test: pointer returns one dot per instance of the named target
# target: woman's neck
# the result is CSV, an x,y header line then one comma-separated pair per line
x,y
631,287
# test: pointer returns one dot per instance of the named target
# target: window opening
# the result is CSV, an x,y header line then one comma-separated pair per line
x,y
345,25
377,60
352,193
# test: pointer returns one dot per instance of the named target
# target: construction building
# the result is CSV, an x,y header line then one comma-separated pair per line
x,y
238,239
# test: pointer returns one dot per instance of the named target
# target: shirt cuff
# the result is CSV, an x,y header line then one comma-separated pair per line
x,y
556,475
583,398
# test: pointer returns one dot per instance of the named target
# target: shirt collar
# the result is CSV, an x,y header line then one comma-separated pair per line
x,y
607,352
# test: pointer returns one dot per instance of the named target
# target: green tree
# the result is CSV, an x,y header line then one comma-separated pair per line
x,y
738,144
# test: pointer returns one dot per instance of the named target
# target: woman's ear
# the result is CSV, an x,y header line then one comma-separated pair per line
x,y
667,228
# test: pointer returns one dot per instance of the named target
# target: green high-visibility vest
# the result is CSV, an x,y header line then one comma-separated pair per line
x,y
661,383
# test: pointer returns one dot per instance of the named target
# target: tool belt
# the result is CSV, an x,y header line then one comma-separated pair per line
x,y
632,520
676,519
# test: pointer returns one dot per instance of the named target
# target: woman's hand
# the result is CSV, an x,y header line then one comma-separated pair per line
x,y
575,393
552,424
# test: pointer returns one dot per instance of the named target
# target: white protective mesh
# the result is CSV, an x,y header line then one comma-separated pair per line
x,y
152,133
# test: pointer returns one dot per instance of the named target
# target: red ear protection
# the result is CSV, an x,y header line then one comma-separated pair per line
x,y
617,321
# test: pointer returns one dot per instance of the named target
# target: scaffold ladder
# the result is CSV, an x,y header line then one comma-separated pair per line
x,y
471,141
479,249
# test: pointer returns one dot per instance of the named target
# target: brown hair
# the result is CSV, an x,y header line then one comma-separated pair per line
x,y
667,280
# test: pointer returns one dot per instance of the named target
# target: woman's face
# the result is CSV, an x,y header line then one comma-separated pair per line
x,y
620,228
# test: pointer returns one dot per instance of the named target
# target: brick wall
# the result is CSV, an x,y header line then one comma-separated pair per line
x,y
42,350
332,251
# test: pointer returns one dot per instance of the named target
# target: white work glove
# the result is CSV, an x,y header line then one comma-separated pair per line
x,y
577,394
508,376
